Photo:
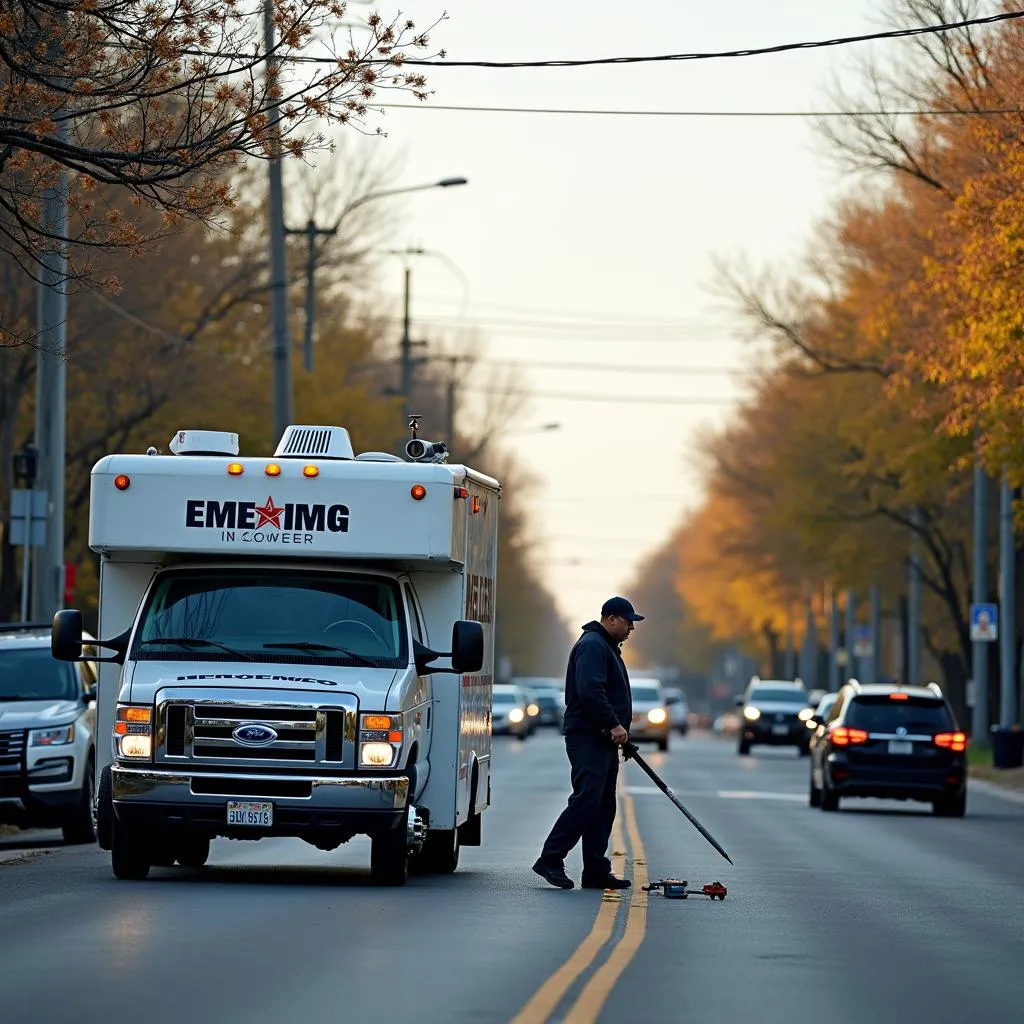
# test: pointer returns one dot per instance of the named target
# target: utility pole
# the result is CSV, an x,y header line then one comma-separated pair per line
x,y
406,350
311,231
875,618
51,384
789,667
833,640
850,630
809,653
1007,610
914,604
282,344
979,648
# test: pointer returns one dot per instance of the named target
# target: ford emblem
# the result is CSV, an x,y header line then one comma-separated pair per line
x,y
252,734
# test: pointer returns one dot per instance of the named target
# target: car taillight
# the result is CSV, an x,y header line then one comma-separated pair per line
x,y
951,740
842,736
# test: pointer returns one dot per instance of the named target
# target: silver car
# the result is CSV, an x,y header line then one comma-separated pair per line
x,y
650,713
47,735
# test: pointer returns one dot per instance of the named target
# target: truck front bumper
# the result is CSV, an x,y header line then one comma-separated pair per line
x,y
167,799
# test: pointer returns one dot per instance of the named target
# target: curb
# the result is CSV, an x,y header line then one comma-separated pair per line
x,y
993,789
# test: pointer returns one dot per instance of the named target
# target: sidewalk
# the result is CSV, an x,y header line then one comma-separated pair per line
x,y
1004,782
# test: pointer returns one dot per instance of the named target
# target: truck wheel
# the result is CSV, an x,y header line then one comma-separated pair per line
x,y
440,853
193,851
129,853
78,827
105,810
663,745
389,856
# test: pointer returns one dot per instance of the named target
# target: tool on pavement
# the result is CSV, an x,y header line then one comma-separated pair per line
x,y
630,752
674,889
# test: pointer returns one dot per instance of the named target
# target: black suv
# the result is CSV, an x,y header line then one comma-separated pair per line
x,y
890,741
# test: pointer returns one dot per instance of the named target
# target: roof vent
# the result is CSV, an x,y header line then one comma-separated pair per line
x,y
377,457
204,442
304,442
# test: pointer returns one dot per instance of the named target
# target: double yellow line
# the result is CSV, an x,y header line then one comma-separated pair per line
x,y
591,1000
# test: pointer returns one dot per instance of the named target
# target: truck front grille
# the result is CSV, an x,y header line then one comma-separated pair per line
x,y
12,747
213,734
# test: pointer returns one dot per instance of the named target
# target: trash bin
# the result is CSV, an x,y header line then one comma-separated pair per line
x,y
1007,746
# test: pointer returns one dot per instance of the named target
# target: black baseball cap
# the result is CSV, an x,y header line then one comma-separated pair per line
x,y
621,607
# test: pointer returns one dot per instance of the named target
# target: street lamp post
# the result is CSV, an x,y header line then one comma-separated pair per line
x,y
279,319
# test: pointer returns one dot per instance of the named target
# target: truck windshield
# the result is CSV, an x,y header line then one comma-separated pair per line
x,y
275,616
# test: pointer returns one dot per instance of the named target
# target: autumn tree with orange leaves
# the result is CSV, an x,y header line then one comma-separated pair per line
x,y
165,101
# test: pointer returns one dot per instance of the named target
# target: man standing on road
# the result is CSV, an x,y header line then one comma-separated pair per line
x,y
598,710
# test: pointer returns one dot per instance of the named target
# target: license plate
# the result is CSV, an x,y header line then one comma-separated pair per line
x,y
901,747
255,813
780,730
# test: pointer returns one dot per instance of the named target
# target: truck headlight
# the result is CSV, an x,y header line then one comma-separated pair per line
x,y
380,740
656,716
133,732
376,755
58,737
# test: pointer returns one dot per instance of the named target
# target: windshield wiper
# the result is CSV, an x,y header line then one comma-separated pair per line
x,y
197,641
307,645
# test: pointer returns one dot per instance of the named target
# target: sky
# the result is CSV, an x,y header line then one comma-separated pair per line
x,y
592,240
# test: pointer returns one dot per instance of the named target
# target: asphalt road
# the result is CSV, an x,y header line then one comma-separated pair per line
x,y
880,913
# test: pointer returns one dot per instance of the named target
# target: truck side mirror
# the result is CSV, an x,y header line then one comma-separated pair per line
x,y
467,646
738,701
66,635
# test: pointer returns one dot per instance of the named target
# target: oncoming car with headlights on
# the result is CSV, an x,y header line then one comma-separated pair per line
x,y
650,713
509,713
775,712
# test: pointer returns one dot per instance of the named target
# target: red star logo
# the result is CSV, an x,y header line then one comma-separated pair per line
x,y
270,514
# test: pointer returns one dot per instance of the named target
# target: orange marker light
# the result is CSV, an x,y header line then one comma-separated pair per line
x,y
122,482
376,721
418,491
474,505
272,469
310,471
897,696
461,492
236,468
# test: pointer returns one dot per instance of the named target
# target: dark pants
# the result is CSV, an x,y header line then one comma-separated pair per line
x,y
591,809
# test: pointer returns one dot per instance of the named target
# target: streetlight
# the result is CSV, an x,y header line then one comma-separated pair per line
x,y
282,380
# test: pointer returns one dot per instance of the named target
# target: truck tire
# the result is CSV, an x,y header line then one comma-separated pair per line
x,y
440,853
389,856
663,745
192,851
105,810
78,827
129,853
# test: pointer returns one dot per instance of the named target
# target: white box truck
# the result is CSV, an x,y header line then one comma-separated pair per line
x,y
279,628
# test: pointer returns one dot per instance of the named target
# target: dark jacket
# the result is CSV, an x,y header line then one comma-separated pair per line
x,y
597,694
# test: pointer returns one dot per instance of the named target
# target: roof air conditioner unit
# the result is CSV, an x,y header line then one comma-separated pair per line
x,y
306,442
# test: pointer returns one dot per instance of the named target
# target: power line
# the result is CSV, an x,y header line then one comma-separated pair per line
x,y
501,323
603,367
571,396
901,33
600,112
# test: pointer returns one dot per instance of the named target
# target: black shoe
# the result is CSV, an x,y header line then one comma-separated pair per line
x,y
608,882
554,874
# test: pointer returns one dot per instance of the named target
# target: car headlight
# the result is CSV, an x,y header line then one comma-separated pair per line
x,y
515,715
656,716
805,714
751,714
532,710
57,737
133,732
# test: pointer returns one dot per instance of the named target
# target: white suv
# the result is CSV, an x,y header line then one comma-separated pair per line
x,y
47,735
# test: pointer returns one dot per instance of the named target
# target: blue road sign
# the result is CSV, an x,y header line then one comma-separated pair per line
x,y
984,622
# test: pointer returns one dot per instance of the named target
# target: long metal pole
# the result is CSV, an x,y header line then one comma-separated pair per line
x,y
406,355
914,605
282,350
789,667
979,648
310,294
875,615
1007,610
850,639
25,561
833,640
51,398
809,650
